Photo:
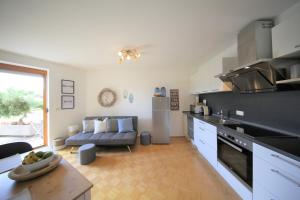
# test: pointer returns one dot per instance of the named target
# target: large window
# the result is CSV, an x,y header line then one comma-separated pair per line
x,y
23,111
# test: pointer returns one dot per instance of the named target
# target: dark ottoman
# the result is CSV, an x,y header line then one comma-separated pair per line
x,y
145,138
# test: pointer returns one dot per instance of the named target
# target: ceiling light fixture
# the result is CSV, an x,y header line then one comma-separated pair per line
x,y
128,54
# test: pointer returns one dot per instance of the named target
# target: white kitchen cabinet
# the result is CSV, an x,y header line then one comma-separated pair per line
x,y
208,134
244,192
286,38
196,133
204,81
205,138
262,193
209,153
278,174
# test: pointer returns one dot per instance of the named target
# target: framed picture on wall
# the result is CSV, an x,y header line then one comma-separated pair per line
x,y
67,102
174,99
67,86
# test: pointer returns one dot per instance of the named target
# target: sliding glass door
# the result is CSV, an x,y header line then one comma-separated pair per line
x,y
23,106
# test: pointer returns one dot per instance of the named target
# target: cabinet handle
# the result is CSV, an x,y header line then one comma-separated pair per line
x,y
201,129
202,141
285,160
232,145
286,177
297,46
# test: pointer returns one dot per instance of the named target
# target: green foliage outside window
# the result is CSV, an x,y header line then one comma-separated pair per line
x,y
15,102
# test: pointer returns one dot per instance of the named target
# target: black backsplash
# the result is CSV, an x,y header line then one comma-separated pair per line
x,y
277,110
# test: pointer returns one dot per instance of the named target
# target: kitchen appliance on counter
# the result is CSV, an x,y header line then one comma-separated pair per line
x,y
199,108
235,143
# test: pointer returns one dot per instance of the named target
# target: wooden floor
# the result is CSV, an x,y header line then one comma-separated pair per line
x,y
174,171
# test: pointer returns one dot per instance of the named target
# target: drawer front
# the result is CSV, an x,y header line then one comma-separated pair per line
x,y
196,123
236,184
207,126
276,159
208,133
196,131
260,193
209,137
275,180
209,153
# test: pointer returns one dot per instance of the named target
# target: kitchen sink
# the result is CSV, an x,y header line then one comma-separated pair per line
x,y
217,120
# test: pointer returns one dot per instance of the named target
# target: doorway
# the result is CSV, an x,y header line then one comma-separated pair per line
x,y
23,105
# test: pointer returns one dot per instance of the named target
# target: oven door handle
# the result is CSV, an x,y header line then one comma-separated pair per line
x,y
230,144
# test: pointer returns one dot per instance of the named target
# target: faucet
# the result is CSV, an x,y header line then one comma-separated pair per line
x,y
221,114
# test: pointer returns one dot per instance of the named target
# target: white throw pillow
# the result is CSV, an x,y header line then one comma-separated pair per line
x,y
88,125
100,126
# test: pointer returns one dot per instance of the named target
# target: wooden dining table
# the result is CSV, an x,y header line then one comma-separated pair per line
x,y
62,183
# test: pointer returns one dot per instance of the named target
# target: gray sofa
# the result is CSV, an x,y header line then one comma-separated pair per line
x,y
106,139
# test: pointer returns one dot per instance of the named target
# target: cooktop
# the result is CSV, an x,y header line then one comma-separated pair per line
x,y
254,132
289,145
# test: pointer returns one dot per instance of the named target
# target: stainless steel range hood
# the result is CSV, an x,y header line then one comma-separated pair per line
x,y
259,76
254,54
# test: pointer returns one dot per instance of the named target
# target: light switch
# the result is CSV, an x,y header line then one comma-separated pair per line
x,y
239,113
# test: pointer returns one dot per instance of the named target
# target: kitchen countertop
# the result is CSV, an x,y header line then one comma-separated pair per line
x,y
289,146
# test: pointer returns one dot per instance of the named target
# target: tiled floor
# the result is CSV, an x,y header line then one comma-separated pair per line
x,y
174,171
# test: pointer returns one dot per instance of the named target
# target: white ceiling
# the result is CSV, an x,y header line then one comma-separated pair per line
x,y
89,33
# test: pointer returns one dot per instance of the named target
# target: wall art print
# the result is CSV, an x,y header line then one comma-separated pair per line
x,y
67,86
174,99
67,102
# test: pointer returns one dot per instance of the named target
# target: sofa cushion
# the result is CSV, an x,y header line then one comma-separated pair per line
x,y
134,119
113,138
110,138
87,125
125,125
79,138
100,126
112,125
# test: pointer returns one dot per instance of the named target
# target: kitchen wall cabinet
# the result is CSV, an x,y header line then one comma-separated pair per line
x,y
205,139
286,38
204,81
276,173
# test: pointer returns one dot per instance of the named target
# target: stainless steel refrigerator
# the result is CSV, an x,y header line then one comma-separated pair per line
x,y
160,120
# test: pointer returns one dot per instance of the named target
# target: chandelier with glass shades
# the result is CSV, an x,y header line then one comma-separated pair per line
x,y
128,54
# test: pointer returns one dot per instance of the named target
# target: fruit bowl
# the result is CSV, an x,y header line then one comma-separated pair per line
x,y
33,162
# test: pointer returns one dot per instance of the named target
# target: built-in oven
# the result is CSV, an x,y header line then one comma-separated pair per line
x,y
235,153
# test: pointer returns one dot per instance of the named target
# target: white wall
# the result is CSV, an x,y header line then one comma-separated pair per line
x,y
292,11
141,83
58,119
212,67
